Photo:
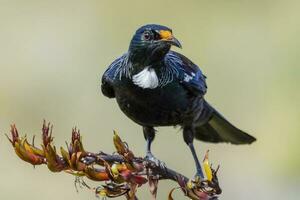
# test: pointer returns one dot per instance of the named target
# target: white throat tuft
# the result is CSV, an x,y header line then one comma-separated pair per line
x,y
147,78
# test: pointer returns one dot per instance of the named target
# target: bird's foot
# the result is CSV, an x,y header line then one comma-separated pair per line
x,y
150,157
199,177
197,181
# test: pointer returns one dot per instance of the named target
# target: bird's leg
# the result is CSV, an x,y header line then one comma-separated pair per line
x,y
188,136
149,134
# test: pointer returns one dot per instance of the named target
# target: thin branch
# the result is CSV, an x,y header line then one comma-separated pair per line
x,y
121,173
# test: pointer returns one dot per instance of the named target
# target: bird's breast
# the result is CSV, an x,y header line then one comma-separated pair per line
x,y
161,106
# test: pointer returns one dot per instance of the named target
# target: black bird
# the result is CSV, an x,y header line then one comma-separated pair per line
x,y
155,86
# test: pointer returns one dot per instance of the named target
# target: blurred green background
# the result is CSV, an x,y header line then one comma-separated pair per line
x,y
53,53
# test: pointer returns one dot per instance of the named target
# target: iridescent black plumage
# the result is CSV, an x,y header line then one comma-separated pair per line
x,y
155,86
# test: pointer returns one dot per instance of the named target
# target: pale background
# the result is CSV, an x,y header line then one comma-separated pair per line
x,y
53,53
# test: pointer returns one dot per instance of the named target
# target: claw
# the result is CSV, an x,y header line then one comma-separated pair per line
x,y
150,157
197,178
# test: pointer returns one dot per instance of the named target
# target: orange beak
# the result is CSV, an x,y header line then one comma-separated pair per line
x,y
167,36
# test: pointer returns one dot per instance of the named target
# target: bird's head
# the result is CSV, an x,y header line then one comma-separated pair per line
x,y
151,42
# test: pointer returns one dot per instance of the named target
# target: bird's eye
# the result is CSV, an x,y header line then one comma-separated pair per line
x,y
147,35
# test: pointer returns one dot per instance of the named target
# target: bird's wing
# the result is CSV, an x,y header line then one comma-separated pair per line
x,y
187,73
113,71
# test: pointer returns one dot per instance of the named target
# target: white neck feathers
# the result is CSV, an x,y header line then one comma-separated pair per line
x,y
147,78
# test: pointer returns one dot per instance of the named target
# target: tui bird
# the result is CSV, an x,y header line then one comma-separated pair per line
x,y
155,86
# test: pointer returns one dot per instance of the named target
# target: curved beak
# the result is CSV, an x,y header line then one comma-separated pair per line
x,y
168,37
175,43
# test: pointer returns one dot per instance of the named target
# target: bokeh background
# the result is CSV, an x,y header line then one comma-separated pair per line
x,y
53,53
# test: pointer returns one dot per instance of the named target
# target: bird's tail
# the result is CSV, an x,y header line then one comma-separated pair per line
x,y
217,129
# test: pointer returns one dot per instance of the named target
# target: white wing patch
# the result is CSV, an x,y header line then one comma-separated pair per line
x,y
187,77
147,78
